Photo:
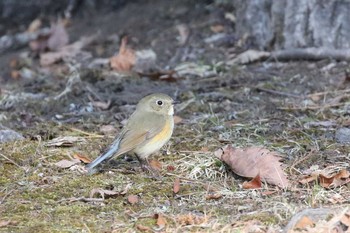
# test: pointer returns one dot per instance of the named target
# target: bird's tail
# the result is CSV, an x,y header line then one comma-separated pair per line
x,y
105,156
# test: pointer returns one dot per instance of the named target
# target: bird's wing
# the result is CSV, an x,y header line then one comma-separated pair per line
x,y
137,131
143,128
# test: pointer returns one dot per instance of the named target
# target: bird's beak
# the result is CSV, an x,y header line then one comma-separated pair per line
x,y
176,102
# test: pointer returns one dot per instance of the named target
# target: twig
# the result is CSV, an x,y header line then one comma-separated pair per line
x,y
328,92
83,199
92,135
312,152
6,195
13,162
278,92
73,79
315,107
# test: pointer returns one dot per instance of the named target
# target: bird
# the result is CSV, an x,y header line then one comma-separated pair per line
x,y
148,129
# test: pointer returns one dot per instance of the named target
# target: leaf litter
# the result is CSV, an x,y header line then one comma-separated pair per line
x,y
254,161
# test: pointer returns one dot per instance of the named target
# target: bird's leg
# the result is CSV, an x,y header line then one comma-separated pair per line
x,y
146,167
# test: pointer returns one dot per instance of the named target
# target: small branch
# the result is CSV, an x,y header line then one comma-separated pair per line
x,y
13,162
82,199
279,92
251,56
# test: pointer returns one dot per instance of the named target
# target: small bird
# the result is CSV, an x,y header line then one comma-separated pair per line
x,y
147,130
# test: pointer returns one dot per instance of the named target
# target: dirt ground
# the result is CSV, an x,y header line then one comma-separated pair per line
x,y
295,108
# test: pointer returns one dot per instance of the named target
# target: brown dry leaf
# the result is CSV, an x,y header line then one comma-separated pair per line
x,y
177,119
191,219
155,164
161,221
108,129
4,223
217,28
345,219
82,158
104,193
304,222
253,184
34,26
176,187
341,178
143,228
184,32
125,59
15,74
65,141
170,168
213,196
67,51
67,163
267,193
59,36
133,199
308,179
251,161
165,75
40,44
102,105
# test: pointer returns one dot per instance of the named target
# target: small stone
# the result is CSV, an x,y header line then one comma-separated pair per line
x,y
342,135
7,135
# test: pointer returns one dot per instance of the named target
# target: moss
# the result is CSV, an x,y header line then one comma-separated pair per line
x,y
264,217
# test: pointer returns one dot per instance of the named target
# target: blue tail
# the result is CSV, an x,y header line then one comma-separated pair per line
x,y
105,156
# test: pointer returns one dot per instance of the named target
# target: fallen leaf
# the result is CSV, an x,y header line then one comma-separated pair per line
x,y
217,28
341,178
213,196
15,74
267,193
104,193
108,129
308,179
345,219
133,199
102,105
65,141
184,32
177,119
251,161
4,223
143,228
170,168
167,75
253,184
40,44
249,56
161,221
82,158
191,219
59,36
304,222
68,51
155,164
125,59
176,188
67,163
34,26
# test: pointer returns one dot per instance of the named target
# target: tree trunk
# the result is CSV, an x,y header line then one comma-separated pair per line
x,y
285,24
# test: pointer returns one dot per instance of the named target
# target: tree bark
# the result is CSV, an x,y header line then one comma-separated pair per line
x,y
285,24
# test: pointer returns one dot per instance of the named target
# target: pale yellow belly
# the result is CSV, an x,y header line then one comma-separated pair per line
x,y
156,142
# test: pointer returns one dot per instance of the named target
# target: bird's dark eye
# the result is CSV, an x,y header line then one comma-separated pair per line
x,y
159,102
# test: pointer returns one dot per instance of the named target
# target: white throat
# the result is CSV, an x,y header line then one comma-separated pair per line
x,y
171,111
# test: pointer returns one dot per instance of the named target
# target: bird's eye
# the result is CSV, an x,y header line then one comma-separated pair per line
x,y
159,102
